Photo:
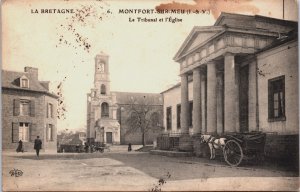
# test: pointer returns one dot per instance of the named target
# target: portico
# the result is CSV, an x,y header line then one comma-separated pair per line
x,y
216,105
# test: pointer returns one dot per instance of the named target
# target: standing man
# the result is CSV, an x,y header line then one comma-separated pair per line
x,y
37,145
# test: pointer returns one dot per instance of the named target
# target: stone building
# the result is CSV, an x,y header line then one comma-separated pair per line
x,y
240,75
108,112
28,110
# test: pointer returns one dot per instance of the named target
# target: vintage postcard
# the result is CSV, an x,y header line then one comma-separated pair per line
x,y
150,95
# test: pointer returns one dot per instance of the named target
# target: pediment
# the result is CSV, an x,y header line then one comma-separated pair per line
x,y
23,77
197,37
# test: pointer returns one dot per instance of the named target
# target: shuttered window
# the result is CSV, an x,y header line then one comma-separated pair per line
x,y
24,107
23,131
16,107
32,108
49,132
49,110
15,132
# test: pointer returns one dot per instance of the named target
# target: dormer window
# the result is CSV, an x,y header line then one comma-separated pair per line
x,y
24,82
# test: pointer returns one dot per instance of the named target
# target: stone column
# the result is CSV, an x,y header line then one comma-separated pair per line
x,y
184,104
211,98
203,102
220,104
230,94
197,101
252,98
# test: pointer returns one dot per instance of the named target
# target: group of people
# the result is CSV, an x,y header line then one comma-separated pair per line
x,y
37,146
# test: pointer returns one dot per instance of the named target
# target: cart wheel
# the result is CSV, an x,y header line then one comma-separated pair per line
x,y
233,153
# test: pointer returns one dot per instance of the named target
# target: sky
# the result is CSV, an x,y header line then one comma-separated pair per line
x,y
140,53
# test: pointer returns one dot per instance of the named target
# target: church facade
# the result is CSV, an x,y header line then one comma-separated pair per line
x,y
108,111
102,123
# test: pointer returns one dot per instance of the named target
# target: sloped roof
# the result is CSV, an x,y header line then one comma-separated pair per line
x,y
150,98
10,81
293,35
229,21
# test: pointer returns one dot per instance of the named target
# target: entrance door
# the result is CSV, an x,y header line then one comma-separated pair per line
x,y
108,137
243,90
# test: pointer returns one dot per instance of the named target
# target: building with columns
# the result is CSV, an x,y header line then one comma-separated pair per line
x,y
240,75
108,111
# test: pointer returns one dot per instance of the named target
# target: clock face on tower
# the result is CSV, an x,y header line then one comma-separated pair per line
x,y
100,66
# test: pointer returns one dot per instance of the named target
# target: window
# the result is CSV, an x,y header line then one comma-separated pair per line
x,y
24,131
104,110
24,82
103,89
50,110
24,107
178,115
169,118
191,114
276,101
49,132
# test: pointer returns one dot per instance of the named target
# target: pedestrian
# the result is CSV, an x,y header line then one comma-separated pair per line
x,y
86,147
37,145
77,148
20,147
129,147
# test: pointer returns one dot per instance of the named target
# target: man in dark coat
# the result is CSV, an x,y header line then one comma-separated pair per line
x,y
37,145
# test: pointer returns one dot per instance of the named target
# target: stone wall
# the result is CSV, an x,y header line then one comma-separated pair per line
x,y
171,99
276,62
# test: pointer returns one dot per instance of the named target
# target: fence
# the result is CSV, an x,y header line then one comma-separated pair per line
x,y
170,141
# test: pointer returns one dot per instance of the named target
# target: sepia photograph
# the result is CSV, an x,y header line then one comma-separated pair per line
x,y
150,95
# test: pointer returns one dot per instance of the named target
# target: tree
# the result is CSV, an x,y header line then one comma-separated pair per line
x,y
143,117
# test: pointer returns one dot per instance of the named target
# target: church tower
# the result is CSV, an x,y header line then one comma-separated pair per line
x,y
102,125
101,78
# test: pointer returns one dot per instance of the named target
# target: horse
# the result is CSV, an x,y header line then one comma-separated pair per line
x,y
213,144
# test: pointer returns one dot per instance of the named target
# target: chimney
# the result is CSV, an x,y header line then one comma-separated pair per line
x,y
32,71
45,84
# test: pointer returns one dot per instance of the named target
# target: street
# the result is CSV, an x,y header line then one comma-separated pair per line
x,y
138,171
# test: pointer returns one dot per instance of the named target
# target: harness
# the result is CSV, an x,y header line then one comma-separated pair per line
x,y
212,139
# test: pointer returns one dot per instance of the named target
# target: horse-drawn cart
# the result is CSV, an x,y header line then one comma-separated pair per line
x,y
99,147
243,146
